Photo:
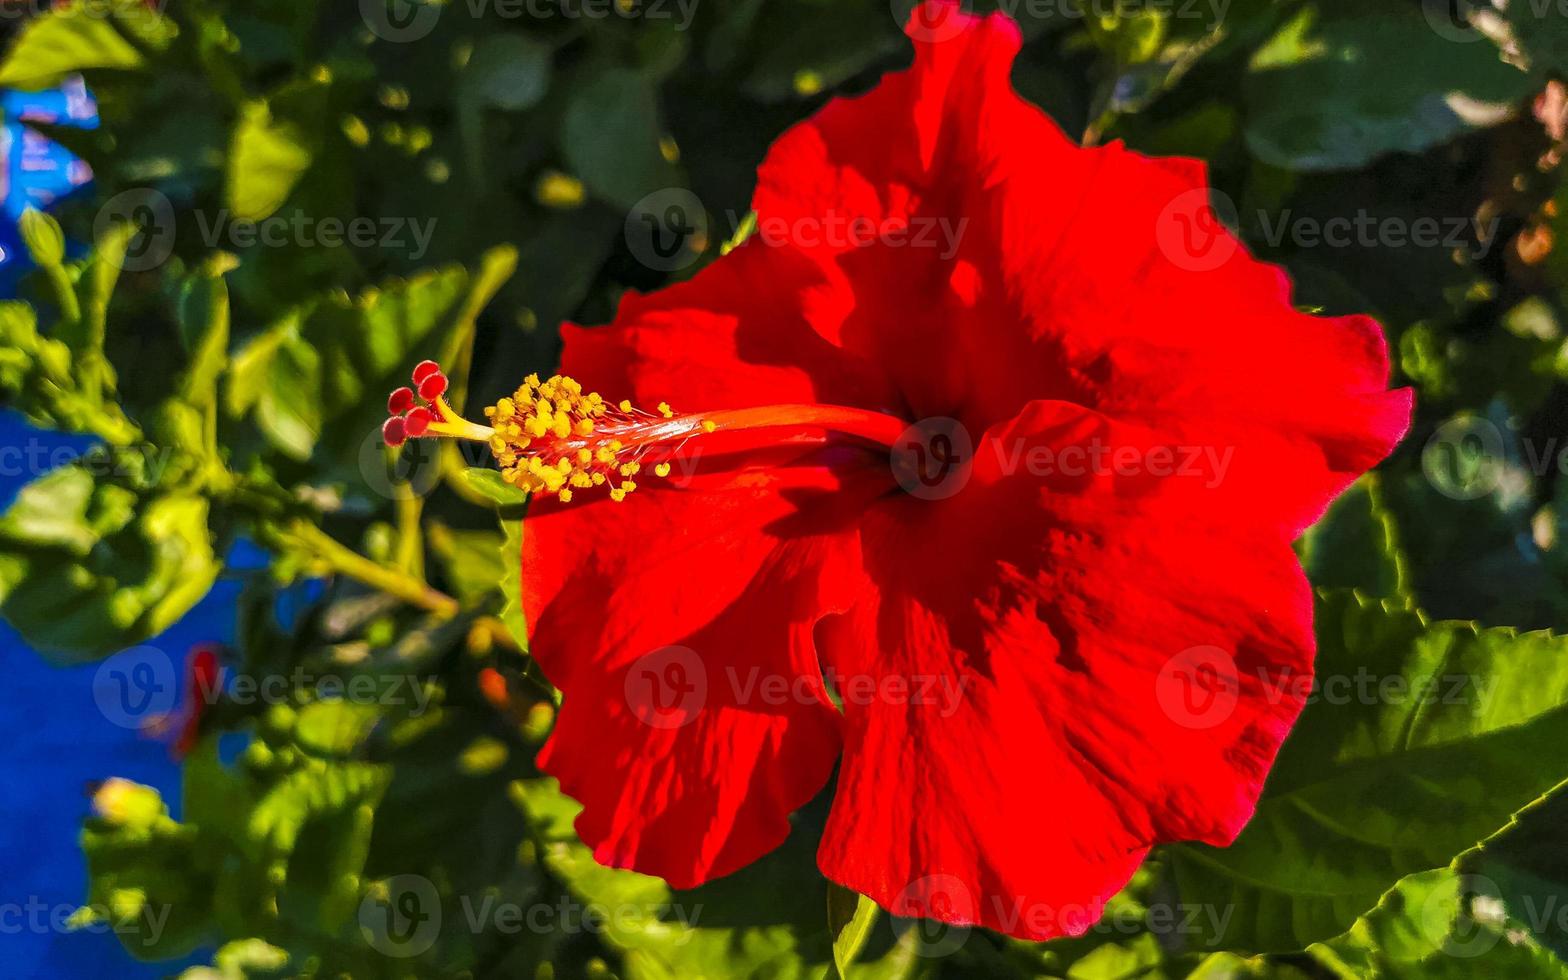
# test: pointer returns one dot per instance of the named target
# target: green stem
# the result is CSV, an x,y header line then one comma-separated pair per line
x,y
64,293
392,581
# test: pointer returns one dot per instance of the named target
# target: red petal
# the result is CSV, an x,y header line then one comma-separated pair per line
x,y
1083,287
1047,693
659,644
433,387
394,432
743,332
416,422
425,369
400,401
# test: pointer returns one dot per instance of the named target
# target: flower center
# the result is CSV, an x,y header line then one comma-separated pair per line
x,y
552,437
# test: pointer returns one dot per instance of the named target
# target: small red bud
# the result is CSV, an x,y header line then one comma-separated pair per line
x,y
400,401
394,432
433,386
416,422
425,369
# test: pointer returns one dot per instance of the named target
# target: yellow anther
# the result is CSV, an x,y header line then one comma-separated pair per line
x,y
551,436
708,426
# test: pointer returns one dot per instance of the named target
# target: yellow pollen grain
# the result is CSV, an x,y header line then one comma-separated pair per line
x,y
550,437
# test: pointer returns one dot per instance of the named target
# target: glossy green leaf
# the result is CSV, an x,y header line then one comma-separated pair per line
x,y
1435,925
62,41
1422,739
850,918
1382,80
610,136
267,158
1355,545
88,568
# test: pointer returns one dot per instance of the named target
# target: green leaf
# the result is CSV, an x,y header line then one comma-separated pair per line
x,y
507,71
1430,925
473,562
1422,740
278,374
610,136
510,503
146,885
64,40
488,482
711,931
1526,866
267,158
850,918
1381,80
1355,545
88,568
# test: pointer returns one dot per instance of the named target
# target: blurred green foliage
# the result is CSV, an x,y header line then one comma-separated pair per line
x,y
233,381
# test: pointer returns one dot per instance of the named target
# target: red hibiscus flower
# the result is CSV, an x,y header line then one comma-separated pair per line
x,y
993,451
